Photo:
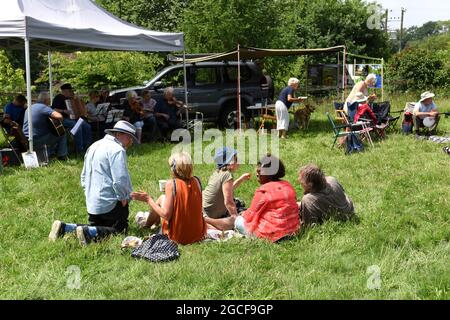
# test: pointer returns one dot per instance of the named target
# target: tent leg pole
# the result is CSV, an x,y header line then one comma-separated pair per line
x,y
344,91
28,77
185,87
50,76
382,79
239,89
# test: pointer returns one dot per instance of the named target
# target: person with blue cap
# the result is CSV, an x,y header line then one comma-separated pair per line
x,y
219,206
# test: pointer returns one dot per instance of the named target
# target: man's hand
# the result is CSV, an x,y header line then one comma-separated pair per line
x,y
433,114
140,196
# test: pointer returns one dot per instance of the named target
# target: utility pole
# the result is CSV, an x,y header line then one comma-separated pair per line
x,y
401,30
386,21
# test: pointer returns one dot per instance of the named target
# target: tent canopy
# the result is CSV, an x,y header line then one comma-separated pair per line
x,y
70,25
255,53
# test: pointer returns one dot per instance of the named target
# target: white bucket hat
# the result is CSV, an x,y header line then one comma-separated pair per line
x,y
360,97
124,127
426,95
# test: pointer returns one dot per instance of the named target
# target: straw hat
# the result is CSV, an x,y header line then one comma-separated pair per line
x,y
426,95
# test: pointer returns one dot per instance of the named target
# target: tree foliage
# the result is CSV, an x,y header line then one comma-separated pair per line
x,y
11,79
92,70
416,69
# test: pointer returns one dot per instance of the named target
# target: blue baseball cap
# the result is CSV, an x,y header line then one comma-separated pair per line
x,y
224,156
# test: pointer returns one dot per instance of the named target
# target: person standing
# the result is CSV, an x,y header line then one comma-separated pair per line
x,y
107,187
284,102
361,88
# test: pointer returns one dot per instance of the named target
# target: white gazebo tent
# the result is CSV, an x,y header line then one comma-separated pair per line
x,y
72,25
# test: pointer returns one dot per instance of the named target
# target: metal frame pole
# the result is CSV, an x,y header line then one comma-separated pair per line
x,y
185,86
239,89
28,78
50,76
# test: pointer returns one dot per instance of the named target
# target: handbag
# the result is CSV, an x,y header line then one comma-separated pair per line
x,y
158,248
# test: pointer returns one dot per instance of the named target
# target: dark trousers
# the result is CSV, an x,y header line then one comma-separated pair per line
x,y
113,222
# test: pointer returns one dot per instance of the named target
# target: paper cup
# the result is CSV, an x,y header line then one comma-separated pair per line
x,y
162,185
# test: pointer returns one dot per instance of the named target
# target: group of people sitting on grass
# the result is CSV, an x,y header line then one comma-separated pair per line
x,y
185,211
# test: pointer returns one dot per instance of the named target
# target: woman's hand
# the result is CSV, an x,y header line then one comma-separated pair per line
x,y
140,196
245,177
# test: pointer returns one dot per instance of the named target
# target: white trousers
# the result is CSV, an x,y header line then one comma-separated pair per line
x,y
282,116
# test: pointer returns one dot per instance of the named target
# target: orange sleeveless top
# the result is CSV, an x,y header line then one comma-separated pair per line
x,y
186,225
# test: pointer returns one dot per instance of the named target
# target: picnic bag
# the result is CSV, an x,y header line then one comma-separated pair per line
x,y
353,144
158,248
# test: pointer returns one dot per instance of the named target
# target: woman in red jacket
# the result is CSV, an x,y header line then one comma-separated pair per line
x,y
273,213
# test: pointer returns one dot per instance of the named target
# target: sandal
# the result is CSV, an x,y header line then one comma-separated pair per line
x,y
446,150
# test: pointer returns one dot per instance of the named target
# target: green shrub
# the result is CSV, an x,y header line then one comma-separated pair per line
x,y
417,69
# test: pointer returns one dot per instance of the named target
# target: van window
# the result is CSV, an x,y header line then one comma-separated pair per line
x,y
231,73
174,78
205,76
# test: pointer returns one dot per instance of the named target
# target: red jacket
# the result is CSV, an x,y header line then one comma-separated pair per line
x,y
273,213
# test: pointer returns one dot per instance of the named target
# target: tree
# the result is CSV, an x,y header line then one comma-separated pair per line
x,y
92,70
416,69
219,25
161,15
11,79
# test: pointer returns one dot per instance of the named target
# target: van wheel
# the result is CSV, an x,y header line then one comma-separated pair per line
x,y
228,117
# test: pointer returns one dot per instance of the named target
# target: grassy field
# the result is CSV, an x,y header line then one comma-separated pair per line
x,y
401,192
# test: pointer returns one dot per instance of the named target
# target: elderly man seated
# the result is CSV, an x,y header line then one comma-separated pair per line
x,y
425,113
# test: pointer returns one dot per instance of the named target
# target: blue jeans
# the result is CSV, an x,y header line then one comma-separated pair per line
x,y
351,110
83,137
54,144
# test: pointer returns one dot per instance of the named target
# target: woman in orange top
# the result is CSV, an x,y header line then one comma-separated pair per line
x,y
180,209
273,213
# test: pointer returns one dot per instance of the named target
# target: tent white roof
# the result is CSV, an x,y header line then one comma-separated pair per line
x,y
68,25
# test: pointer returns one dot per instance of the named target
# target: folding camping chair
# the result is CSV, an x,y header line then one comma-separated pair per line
x,y
382,111
339,131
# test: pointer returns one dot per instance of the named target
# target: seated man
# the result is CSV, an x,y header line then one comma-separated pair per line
x,y
168,112
13,120
323,197
423,109
42,135
83,137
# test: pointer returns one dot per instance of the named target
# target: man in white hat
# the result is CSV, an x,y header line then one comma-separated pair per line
x,y
107,187
426,113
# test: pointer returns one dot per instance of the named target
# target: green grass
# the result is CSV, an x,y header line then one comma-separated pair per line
x,y
401,193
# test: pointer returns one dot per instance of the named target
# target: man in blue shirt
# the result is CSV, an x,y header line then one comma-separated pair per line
x,y
107,186
14,113
425,113
40,112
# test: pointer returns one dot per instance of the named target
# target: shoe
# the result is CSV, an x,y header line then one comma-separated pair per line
x,y
446,150
83,235
57,230
63,158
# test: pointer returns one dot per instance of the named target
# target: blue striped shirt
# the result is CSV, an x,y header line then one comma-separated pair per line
x,y
105,177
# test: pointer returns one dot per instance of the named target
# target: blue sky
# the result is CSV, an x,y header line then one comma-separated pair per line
x,y
417,11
